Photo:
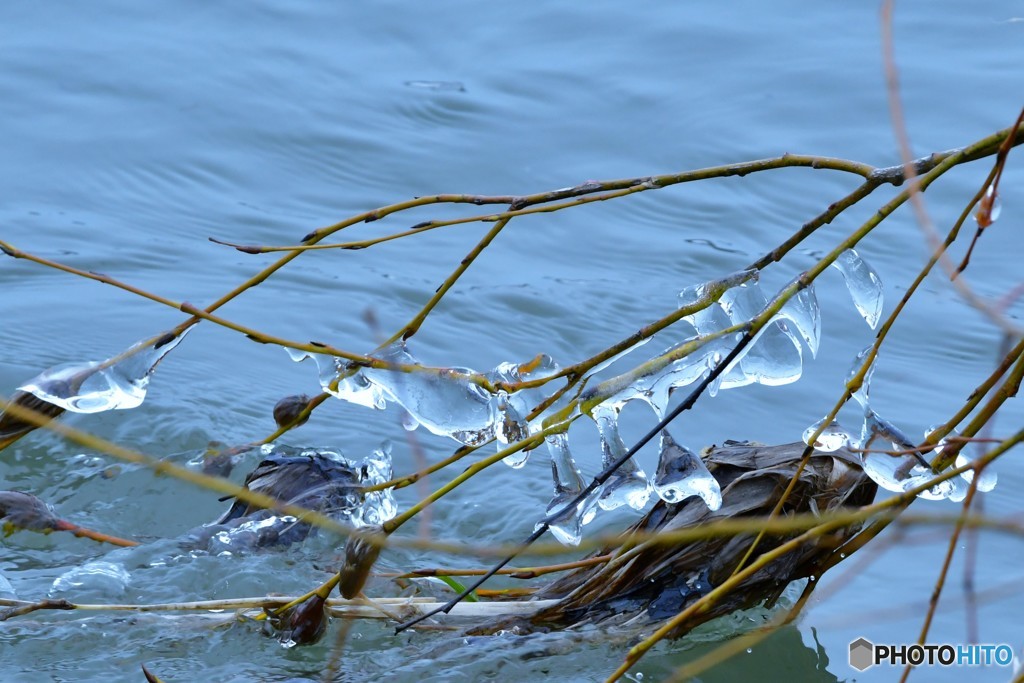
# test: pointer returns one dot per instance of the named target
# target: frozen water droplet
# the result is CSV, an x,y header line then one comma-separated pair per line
x,y
802,310
568,483
117,383
832,438
446,401
682,474
628,485
863,284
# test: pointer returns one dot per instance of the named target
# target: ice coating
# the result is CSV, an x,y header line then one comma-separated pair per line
x,y
986,482
772,357
989,208
802,310
117,383
706,320
654,387
511,409
568,483
862,394
863,283
354,388
511,427
832,438
682,474
628,484
775,357
902,473
988,479
445,401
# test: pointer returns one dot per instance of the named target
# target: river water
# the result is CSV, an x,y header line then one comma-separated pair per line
x,y
133,132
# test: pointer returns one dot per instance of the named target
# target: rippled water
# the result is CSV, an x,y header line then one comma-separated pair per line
x,y
133,132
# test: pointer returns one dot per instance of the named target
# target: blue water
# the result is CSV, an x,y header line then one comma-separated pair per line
x,y
133,132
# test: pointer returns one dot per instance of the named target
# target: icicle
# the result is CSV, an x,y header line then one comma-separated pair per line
x,y
628,485
863,283
568,483
862,394
802,310
118,383
682,474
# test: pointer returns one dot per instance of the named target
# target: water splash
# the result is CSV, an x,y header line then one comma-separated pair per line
x,y
832,438
682,474
378,506
863,283
568,483
628,484
96,578
118,383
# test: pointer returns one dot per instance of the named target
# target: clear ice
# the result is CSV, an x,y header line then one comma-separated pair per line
x,y
862,395
988,479
354,388
568,483
116,383
511,409
901,473
986,482
802,310
773,357
832,438
682,474
628,484
863,283
446,401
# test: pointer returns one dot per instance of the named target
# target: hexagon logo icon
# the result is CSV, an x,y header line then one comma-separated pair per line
x,y
862,654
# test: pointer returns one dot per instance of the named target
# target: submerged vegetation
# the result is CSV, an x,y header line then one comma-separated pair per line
x,y
731,527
